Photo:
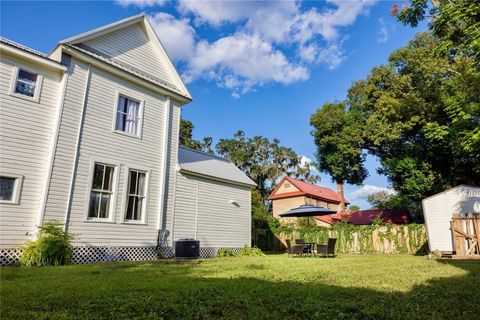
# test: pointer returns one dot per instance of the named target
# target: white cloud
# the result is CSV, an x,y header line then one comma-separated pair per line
x,y
269,41
367,190
383,33
241,61
141,3
177,35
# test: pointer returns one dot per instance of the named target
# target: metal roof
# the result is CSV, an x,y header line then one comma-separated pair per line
x,y
26,49
204,164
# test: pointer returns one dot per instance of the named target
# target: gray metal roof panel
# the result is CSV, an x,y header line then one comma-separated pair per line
x,y
211,165
26,49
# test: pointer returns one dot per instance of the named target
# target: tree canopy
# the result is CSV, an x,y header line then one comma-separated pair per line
x,y
419,114
264,161
186,138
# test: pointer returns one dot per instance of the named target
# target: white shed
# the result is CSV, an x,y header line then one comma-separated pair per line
x,y
212,202
438,210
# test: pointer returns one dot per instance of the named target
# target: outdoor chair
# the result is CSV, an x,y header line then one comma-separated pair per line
x,y
294,249
327,249
306,248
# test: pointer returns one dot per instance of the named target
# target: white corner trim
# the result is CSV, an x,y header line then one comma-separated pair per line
x,y
77,146
53,148
165,154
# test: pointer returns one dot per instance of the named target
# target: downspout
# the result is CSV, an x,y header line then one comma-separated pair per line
x,y
53,149
162,219
77,149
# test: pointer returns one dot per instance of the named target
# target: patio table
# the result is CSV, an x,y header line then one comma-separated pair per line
x,y
310,245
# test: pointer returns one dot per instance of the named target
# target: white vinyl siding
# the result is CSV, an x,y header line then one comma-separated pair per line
x,y
98,141
132,47
26,137
204,211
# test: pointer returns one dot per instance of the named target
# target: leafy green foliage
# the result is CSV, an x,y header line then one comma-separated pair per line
x,y
338,136
251,252
246,251
186,138
52,247
225,253
264,161
353,207
420,115
360,238
455,23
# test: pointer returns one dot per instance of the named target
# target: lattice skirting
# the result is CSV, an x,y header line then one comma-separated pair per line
x,y
91,254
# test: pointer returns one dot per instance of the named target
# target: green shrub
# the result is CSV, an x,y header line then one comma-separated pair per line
x,y
251,251
52,247
224,252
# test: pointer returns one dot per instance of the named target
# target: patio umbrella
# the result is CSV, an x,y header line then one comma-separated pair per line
x,y
307,210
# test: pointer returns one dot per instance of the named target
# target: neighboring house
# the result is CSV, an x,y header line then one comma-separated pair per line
x,y
291,193
89,137
439,209
365,217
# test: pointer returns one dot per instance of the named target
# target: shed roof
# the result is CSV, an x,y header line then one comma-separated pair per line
x,y
208,165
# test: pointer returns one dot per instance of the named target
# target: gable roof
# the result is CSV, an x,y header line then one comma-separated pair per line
x,y
366,217
173,83
208,165
306,189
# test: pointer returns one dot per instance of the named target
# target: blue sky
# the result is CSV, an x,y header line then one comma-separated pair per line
x,y
261,67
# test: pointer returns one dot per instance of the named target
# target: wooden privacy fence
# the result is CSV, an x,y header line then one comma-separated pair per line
x,y
466,235
366,239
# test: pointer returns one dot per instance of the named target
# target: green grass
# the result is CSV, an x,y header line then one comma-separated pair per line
x,y
270,287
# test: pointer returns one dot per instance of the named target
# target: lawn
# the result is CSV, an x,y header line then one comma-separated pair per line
x,y
270,287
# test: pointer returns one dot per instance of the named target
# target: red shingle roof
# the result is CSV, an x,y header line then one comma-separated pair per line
x,y
365,217
306,189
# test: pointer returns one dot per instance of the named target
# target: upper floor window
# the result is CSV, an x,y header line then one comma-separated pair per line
x,y
101,194
26,84
9,188
128,116
136,195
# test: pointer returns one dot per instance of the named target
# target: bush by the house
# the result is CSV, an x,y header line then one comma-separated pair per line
x,y
224,252
52,247
251,251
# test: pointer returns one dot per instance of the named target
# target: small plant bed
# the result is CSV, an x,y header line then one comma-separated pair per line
x,y
366,286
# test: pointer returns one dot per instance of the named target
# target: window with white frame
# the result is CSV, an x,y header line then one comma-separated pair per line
x,y
101,194
128,117
9,188
26,83
136,195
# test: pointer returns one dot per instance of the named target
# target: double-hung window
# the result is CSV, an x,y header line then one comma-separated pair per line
x,y
136,196
10,189
129,116
101,194
26,84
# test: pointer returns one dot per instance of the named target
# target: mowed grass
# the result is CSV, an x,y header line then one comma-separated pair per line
x,y
270,287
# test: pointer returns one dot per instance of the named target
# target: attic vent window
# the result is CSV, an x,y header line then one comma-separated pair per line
x,y
286,184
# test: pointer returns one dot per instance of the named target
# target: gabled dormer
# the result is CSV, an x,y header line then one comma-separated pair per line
x,y
130,45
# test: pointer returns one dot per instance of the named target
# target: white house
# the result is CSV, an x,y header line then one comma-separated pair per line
x,y
439,209
89,137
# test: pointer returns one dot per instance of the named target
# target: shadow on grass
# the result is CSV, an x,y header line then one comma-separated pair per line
x,y
147,291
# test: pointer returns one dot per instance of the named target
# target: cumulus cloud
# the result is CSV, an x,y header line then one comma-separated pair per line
x,y
141,3
367,190
383,33
268,41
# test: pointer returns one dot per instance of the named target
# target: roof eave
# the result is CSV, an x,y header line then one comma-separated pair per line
x,y
45,61
251,185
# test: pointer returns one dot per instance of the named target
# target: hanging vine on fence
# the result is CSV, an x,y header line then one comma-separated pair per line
x,y
385,238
